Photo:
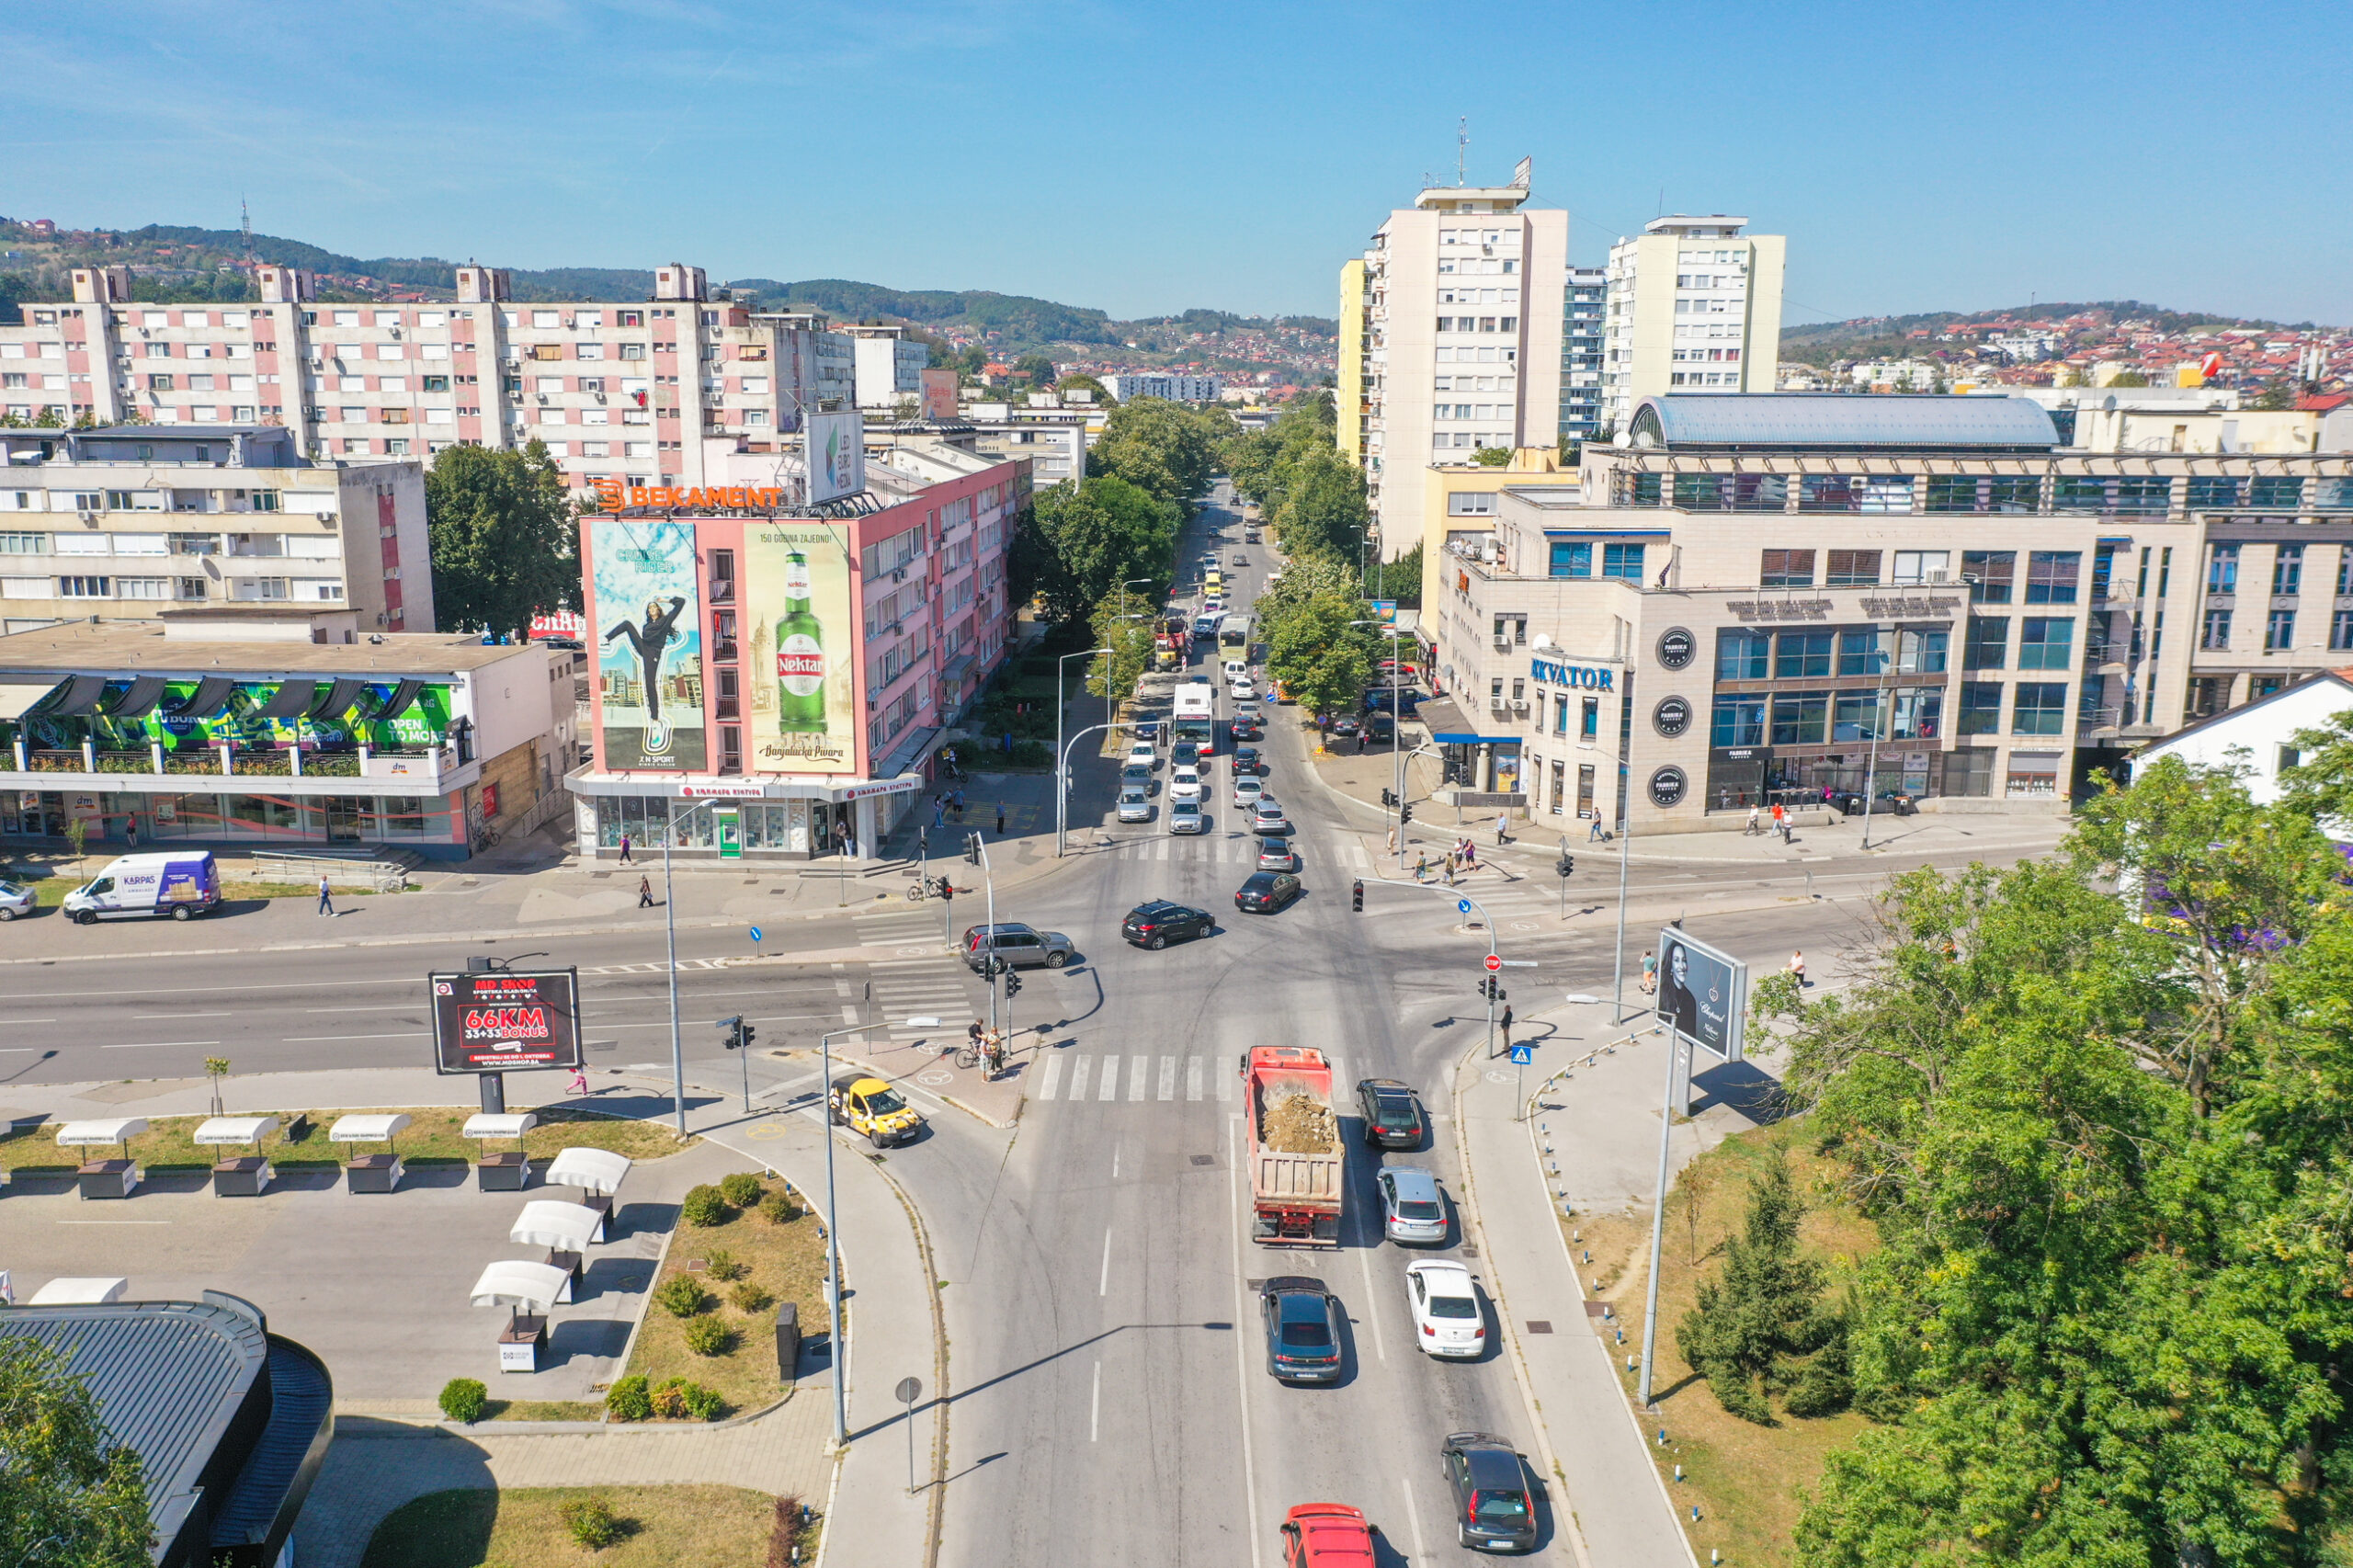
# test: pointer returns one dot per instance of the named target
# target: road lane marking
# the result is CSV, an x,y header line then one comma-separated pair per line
x,y
1049,1077
323,1039
1241,1354
156,1044
1413,1519
151,1018
1110,1085
1372,1303
1167,1077
1140,1070
1226,1082
1192,1078
1103,1286
30,1020
1078,1076
386,1007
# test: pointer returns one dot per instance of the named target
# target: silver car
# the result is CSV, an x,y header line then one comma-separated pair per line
x,y
1276,854
16,899
1411,1207
1185,816
1268,817
1135,805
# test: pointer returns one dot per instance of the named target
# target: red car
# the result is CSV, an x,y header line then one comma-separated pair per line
x,y
1327,1535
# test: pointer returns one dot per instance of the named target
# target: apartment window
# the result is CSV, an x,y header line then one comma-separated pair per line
x,y
1589,722
2222,570
1743,655
2275,493
723,576
2103,571
1987,647
2279,630
1473,505
2046,644
159,384
190,588
2287,570
724,692
1981,707
1801,655
2214,494
1800,718
1739,722
2008,494
2038,708
23,544
1860,652
1916,567
1921,653
722,636
1560,715
2052,574
1852,569
84,588
1787,569
2340,631
2215,635
1622,560
1571,559
2344,570
139,587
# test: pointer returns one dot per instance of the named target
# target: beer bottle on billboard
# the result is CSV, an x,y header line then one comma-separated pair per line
x,y
799,655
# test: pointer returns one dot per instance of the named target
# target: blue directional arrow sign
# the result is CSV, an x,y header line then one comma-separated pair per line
x,y
755,933
1521,1055
1462,906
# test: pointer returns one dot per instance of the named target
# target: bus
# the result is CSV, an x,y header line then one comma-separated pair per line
x,y
1195,719
1233,636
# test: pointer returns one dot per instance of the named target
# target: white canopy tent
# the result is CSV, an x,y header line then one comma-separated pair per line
x,y
591,1170
565,1227
483,1124
85,1292
234,1128
368,1128
107,1130
526,1287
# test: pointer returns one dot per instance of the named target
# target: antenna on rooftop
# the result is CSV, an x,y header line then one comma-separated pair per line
x,y
245,226
1461,146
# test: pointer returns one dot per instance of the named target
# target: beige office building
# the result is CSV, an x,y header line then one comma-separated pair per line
x,y
1455,331
1767,597
1692,304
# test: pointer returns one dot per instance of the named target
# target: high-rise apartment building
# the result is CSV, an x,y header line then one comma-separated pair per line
x,y
1692,302
1584,308
1457,328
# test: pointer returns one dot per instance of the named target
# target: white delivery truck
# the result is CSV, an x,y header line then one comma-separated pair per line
x,y
182,883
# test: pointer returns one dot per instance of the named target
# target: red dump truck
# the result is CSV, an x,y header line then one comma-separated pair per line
x,y
1296,1163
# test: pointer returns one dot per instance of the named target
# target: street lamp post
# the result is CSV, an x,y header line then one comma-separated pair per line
x,y
1658,1211
1061,785
670,934
1396,722
1618,963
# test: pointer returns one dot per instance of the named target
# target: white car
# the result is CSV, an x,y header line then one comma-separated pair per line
x,y
1142,751
1448,1320
1185,784
1185,816
1246,791
1242,691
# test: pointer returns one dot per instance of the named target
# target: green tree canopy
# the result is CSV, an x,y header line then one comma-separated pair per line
x,y
1324,662
1124,626
1753,1322
1037,368
1324,511
1162,448
1085,383
504,541
70,1497
1079,542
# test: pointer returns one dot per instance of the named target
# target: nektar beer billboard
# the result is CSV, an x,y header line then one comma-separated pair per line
x,y
802,674
649,640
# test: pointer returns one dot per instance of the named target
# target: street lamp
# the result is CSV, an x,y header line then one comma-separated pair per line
x,y
1061,785
1396,722
670,932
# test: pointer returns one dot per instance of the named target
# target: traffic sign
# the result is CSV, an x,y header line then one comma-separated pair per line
x,y
1521,1055
755,933
1462,906
1494,963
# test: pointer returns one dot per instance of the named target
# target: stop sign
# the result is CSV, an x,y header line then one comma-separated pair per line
x,y
1494,963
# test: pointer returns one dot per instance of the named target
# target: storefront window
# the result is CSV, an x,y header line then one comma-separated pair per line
x,y
1739,722
1743,655
2033,774
1799,718
1801,655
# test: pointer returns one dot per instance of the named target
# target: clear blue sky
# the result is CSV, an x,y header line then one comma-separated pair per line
x,y
1147,158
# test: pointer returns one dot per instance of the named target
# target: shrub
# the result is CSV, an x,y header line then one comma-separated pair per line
x,y
462,1399
709,1336
784,1534
722,1266
627,1401
705,1205
751,1298
741,1189
591,1522
778,1209
682,1297
676,1399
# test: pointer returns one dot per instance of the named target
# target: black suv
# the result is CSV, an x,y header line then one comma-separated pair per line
x,y
1492,1508
1017,946
1303,1329
1392,1114
1159,923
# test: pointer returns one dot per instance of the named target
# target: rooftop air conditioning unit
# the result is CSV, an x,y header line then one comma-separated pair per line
x,y
1518,705
899,574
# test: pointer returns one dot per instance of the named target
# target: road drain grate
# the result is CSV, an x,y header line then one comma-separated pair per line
x,y
1468,1250
1205,1159
1539,1325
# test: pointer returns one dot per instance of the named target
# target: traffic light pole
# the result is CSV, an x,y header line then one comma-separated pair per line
x,y
1488,979
1062,787
1062,778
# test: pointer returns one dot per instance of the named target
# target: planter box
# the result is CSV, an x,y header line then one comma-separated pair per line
x,y
373,1173
247,1176
109,1179
519,1342
506,1172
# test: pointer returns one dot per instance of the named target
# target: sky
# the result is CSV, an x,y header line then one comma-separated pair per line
x,y
1146,159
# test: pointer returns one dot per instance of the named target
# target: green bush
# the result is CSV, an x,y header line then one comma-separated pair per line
x,y
741,1189
462,1399
778,1209
591,1522
709,1336
751,1298
629,1401
722,1266
682,1297
705,1205
676,1399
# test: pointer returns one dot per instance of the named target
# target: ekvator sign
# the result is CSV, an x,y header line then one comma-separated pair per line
x,y
500,1020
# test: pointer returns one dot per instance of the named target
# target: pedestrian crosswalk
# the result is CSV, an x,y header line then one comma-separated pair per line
x,y
1242,850
922,981
1084,1078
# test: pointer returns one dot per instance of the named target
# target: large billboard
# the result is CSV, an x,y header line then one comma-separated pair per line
x,y
1703,993
501,1020
649,640
804,716
836,456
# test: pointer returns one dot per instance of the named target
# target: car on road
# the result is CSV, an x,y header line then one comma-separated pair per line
x,y
1327,1535
1345,728
1493,1510
1245,760
1263,892
1268,816
1143,752
1392,1114
1245,727
1023,947
1302,1322
1136,776
1159,923
1240,559
1185,783
868,1105
1379,727
1276,854
1445,1307
1135,803
1185,816
1246,790
1235,669
1411,1207
16,899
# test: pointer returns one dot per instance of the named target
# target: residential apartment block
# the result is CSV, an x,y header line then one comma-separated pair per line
x,y
1456,331
1763,596
624,392
890,367
127,521
1169,385
1584,345
1692,302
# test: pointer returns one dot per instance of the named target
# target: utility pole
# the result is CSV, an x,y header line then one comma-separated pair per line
x,y
1061,782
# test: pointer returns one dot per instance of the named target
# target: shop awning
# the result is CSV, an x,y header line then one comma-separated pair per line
x,y
211,694
79,1292
565,1227
16,699
1448,726
534,1286
366,1128
235,1129
290,701
591,1170
340,695
483,1124
398,702
919,743
138,698
81,697
110,1130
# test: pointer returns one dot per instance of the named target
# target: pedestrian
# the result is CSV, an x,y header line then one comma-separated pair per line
x,y
1797,967
1593,834
1393,841
646,892
939,812
1754,828
1789,824
1452,859
1650,972
1470,854
625,859
1505,1021
131,832
327,900
1000,819
579,1084
1422,867
1503,827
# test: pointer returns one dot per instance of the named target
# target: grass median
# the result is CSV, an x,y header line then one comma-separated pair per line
x,y
655,1527
432,1138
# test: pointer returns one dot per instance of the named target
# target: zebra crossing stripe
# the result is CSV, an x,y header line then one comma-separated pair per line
x,y
1049,1077
1109,1085
1192,1078
1226,1082
1078,1076
1167,1077
1139,1069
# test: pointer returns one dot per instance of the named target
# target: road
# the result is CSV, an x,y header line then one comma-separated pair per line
x,y
1109,1399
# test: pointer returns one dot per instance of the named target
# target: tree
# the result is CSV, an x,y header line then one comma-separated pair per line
x,y
1125,627
1085,383
1757,1317
1037,368
69,1494
503,543
1083,540
2320,784
1324,511
1324,662
1162,448
1399,579
2128,378
1492,457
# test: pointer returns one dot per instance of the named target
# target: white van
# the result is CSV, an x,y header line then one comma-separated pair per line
x,y
1237,670
182,883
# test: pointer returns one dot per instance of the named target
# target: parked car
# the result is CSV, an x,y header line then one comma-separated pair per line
x,y
1135,803
1411,1207
1327,1535
1302,1322
1379,727
1185,816
1444,1304
16,899
1159,923
1276,854
1021,945
1246,790
1494,1509
1265,892
1345,728
1392,1114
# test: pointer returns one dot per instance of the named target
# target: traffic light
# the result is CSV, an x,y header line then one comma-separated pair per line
x,y
731,1033
1388,799
1568,866
973,847
1491,988
743,1034
1405,811
1355,896
1012,984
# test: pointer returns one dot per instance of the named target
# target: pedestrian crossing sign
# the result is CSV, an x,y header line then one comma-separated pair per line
x,y
1521,1055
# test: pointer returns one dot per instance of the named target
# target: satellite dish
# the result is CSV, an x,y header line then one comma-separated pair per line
x,y
1622,439
1541,640
2108,403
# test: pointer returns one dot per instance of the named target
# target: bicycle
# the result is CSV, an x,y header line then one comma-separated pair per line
x,y
967,1055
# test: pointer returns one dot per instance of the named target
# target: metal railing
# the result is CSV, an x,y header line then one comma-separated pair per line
x,y
378,876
